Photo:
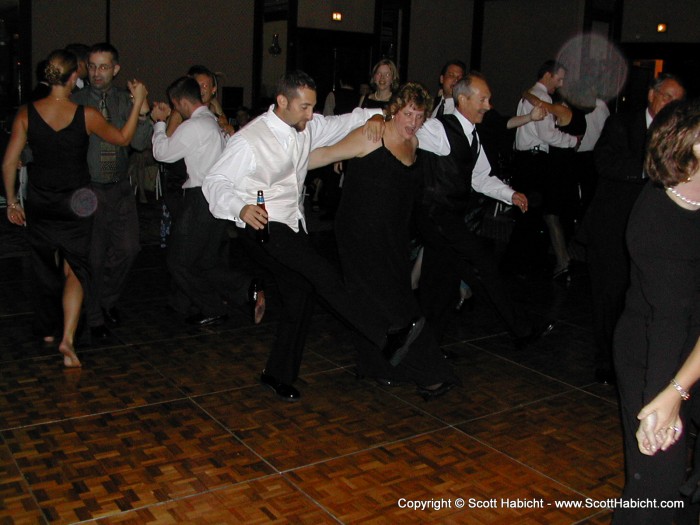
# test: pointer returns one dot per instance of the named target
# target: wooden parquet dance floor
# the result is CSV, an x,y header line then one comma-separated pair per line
x,y
166,423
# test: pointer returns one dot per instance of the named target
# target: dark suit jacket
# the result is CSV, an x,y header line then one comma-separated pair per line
x,y
619,159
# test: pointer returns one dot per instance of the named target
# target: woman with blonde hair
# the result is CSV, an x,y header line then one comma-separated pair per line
x,y
384,81
60,204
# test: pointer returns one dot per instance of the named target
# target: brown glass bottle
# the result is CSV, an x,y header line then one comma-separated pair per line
x,y
262,235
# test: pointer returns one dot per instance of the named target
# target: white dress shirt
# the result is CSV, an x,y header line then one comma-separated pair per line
x,y
198,140
231,182
543,133
432,137
595,120
448,103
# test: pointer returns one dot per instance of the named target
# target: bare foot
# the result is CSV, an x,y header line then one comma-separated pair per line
x,y
70,360
259,307
49,339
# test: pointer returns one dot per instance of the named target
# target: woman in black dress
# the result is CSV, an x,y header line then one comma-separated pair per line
x,y
385,81
373,234
59,202
661,320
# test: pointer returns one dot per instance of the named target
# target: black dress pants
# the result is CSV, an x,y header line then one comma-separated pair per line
x,y
198,260
301,274
113,247
452,252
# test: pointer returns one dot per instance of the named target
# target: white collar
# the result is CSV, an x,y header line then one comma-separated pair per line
x,y
467,125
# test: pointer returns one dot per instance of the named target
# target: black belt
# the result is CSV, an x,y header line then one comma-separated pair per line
x,y
108,183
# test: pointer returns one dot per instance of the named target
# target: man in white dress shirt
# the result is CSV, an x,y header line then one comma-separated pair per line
x,y
271,154
198,250
452,251
534,172
452,72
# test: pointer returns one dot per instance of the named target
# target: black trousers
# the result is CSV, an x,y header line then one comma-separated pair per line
x,y
113,248
198,260
452,252
302,275
528,243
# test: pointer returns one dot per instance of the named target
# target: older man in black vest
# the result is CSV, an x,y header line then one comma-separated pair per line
x,y
452,251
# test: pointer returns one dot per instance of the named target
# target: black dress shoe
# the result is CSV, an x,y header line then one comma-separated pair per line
x,y
286,392
428,393
537,333
111,316
563,276
605,377
398,342
99,332
205,320
256,299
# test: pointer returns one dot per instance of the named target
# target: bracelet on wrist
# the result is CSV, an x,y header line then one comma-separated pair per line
x,y
681,391
14,205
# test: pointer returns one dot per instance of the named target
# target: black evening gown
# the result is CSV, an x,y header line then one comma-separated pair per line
x,y
59,210
372,227
369,103
658,327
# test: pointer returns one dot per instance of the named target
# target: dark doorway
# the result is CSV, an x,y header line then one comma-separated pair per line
x,y
679,59
325,55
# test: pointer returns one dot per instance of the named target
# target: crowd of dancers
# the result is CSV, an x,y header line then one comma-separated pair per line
x,y
409,165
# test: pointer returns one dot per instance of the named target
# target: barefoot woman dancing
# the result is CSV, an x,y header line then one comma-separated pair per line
x,y
59,202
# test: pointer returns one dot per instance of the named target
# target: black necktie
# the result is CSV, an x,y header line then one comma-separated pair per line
x,y
441,108
475,145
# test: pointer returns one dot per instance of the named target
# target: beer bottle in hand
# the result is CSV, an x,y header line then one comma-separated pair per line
x,y
262,235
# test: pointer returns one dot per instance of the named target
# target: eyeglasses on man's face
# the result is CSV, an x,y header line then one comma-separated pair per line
x,y
101,68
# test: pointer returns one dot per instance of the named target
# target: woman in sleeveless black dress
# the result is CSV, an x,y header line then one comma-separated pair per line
x,y
373,234
59,201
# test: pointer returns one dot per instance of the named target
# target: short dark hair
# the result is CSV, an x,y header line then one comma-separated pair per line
x,y
202,70
79,50
106,47
674,131
453,62
184,88
550,66
292,81
411,93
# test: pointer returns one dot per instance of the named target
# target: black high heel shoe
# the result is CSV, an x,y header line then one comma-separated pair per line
x,y
398,341
256,299
431,392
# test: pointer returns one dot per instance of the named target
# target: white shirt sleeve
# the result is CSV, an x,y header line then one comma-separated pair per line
x,y
236,164
433,138
493,187
326,131
173,148
549,134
